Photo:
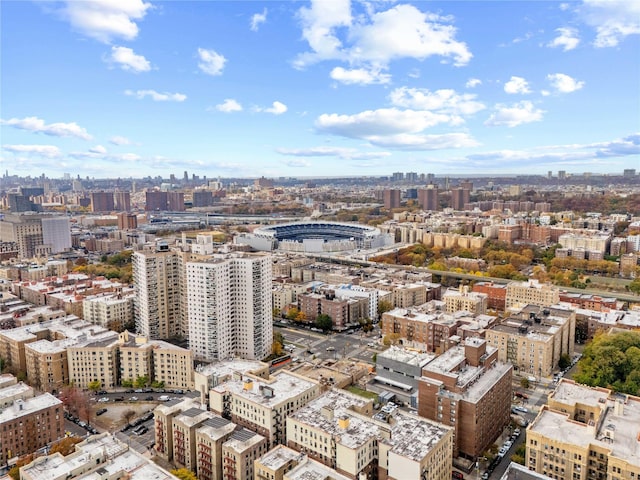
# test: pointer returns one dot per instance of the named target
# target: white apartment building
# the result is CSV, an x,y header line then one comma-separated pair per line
x,y
229,306
109,311
157,302
56,232
592,242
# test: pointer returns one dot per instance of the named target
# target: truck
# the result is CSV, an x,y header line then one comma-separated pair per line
x,y
163,398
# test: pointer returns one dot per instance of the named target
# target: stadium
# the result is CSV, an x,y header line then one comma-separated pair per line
x,y
315,237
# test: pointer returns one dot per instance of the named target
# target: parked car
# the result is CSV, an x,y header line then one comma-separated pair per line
x,y
457,475
520,409
133,399
101,411
129,390
103,399
118,399
149,398
503,451
163,398
138,390
522,395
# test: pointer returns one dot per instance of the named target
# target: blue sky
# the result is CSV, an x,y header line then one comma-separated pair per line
x,y
121,88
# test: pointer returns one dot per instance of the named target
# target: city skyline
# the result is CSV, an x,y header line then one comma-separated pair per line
x,y
247,89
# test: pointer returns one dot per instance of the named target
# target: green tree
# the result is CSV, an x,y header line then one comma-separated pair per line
x,y
384,306
520,454
126,383
634,286
324,322
565,361
157,384
612,361
94,386
184,474
141,381
292,313
524,382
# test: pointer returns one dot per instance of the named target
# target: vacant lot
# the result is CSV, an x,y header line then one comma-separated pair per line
x,y
113,420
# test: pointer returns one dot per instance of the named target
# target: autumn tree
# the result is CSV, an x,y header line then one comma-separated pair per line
x,y
127,415
65,446
184,474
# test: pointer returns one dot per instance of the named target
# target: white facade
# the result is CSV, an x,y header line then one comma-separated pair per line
x,y
229,307
56,232
112,312
157,302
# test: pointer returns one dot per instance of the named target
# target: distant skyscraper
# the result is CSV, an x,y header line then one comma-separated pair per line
x,y
397,177
391,198
102,202
229,307
562,174
459,198
629,172
411,177
156,201
122,201
428,198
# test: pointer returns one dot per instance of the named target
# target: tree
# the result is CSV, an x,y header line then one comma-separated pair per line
x,y
126,383
384,306
292,313
324,322
612,361
391,339
157,384
565,361
524,382
15,470
142,381
184,474
634,286
520,454
66,446
127,415
94,386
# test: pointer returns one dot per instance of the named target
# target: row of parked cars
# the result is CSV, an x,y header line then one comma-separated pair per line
x,y
138,423
80,423
501,453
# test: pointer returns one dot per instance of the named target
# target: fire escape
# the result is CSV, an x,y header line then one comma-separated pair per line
x,y
204,462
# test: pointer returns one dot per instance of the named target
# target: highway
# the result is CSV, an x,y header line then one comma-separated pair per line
x,y
625,297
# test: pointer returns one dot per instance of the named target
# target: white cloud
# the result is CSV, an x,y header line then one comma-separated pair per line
x,y
425,142
359,76
128,60
276,108
156,96
257,19
98,149
564,83
297,162
567,39
517,85
614,20
473,83
37,125
376,38
557,155
105,20
48,151
443,101
384,121
119,140
211,62
514,115
229,105
340,152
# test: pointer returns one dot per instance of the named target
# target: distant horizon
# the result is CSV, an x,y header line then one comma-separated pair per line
x,y
245,89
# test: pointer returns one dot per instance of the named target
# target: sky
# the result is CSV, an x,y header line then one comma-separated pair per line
x,y
135,88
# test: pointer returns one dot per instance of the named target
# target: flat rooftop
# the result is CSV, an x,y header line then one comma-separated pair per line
x,y
406,356
623,427
284,386
414,437
226,368
21,408
278,457
571,393
312,470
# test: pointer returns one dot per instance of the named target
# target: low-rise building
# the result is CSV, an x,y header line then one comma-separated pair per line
x,y
531,292
274,464
336,429
210,436
47,364
29,424
534,338
98,457
463,299
184,436
206,377
469,389
263,405
94,359
240,452
585,433
164,415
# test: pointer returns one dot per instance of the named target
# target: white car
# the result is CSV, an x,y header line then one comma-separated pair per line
x,y
503,451
103,399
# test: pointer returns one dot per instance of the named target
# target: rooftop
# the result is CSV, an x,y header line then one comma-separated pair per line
x,y
279,456
617,431
414,437
226,368
571,393
216,427
406,356
283,387
311,470
28,406
242,440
